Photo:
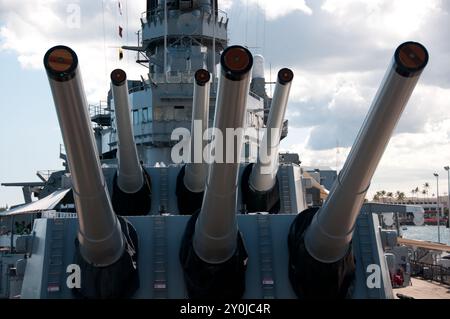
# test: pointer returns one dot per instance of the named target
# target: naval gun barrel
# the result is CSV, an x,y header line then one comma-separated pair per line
x,y
264,172
216,228
330,232
192,177
196,169
130,178
212,252
100,235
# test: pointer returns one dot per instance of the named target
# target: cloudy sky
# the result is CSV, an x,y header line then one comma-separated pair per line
x,y
339,50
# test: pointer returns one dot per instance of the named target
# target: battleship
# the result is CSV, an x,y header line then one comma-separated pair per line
x,y
125,219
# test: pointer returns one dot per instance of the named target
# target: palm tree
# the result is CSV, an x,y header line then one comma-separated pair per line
x,y
390,195
400,196
424,192
426,187
416,190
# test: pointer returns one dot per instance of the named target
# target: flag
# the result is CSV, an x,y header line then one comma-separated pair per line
x,y
120,54
120,31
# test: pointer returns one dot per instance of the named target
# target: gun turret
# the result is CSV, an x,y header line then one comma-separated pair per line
x,y
102,237
192,177
260,187
323,248
131,194
258,83
212,252
129,176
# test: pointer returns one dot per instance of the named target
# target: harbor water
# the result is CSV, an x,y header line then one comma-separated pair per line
x,y
427,232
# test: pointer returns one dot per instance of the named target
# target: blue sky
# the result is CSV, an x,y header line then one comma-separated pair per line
x,y
29,133
338,49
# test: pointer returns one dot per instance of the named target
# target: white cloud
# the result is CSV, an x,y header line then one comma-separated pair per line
x,y
338,49
226,4
275,9
409,160
30,28
402,18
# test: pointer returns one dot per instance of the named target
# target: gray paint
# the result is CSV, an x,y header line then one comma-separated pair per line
x,y
37,275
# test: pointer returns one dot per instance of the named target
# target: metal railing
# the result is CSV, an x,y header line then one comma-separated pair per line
x,y
173,77
138,88
159,12
45,174
99,109
52,214
427,271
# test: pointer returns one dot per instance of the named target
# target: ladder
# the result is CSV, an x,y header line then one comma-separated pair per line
x,y
265,257
55,266
286,206
159,258
163,190
363,233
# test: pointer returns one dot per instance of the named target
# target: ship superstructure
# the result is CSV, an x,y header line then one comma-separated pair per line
x,y
177,39
149,227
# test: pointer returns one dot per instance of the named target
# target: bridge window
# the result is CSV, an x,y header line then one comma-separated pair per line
x,y
135,117
146,115
247,151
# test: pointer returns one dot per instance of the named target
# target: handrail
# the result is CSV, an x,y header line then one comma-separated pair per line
x,y
221,15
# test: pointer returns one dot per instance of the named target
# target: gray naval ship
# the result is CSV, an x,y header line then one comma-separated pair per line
x,y
126,220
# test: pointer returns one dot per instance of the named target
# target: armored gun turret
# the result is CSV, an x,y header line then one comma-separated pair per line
x,y
104,248
202,233
132,191
259,183
212,254
320,240
192,178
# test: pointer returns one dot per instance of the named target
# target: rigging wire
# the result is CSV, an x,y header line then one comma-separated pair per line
x,y
104,44
128,34
257,22
246,25
264,31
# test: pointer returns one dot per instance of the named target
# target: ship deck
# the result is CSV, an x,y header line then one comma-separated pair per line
x,y
424,289
423,244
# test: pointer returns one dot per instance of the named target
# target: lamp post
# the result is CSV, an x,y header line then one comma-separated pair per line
x,y
438,206
447,168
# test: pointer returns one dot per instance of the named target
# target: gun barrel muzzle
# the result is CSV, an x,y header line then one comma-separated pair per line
x,y
100,236
216,231
130,177
264,172
196,170
331,230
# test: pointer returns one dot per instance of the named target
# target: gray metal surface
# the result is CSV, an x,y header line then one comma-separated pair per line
x,y
100,235
196,169
129,175
216,229
176,44
39,282
331,229
264,172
